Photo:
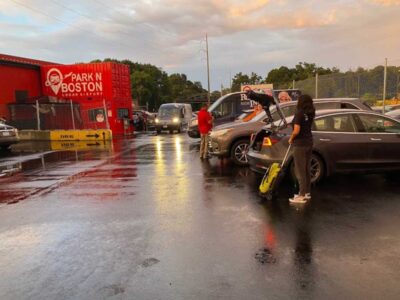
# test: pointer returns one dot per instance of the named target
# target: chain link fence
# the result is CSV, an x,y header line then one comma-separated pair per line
x,y
44,115
368,85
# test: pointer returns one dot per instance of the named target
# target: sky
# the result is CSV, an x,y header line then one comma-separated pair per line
x,y
243,36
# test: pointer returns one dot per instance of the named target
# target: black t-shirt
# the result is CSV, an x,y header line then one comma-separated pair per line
x,y
304,138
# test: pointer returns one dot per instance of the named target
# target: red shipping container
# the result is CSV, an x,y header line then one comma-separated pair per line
x,y
92,86
97,81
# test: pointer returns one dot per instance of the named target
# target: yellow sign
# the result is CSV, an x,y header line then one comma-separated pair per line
x,y
80,145
81,135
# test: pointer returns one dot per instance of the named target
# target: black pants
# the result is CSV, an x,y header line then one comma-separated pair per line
x,y
302,165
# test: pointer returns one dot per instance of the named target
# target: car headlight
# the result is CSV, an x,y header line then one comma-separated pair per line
x,y
175,120
156,120
221,132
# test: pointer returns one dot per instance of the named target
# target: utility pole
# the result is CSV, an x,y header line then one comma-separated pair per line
x,y
230,82
208,71
397,85
293,84
316,85
384,87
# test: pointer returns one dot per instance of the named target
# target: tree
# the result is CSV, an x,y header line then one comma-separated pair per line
x,y
241,78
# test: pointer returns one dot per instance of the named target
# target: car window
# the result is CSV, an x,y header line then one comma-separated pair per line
x,y
326,105
348,106
374,123
339,123
287,111
224,109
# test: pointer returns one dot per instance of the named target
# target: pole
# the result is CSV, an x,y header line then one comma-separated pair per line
x,y
37,115
72,114
222,90
230,81
397,85
316,85
384,87
293,84
106,114
208,71
358,85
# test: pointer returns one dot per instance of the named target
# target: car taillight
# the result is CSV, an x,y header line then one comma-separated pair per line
x,y
268,142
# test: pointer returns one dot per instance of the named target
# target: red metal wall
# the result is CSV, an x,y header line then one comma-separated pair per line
x,y
87,82
14,78
92,85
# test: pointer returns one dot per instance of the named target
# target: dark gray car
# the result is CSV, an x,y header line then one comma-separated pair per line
x,y
233,139
344,141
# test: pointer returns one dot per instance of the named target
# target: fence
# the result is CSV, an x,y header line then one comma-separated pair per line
x,y
44,115
370,85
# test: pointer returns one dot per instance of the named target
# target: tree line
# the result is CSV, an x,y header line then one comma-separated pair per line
x,y
151,86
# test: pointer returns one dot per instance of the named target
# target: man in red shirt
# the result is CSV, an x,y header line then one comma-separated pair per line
x,y
204,121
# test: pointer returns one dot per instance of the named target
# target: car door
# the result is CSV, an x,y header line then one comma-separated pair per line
x,y
383,140
337,139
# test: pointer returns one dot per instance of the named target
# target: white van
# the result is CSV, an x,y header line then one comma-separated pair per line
x,y
173,116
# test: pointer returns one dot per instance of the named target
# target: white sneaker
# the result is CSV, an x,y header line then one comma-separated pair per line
x,y
298,199
307,196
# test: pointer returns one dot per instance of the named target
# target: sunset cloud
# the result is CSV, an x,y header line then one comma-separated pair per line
x,y
243,35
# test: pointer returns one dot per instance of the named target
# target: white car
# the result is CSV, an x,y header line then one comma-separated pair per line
x,y
8,135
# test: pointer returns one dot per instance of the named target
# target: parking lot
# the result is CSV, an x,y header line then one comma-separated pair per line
x,y
145,218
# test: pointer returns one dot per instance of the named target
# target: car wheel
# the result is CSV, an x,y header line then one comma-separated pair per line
x,y
239,152
317,169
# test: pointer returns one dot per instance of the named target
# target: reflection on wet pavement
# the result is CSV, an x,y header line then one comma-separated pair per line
x,y
147,219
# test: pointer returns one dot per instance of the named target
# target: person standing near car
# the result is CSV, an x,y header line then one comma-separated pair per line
x,y
204,120
302,143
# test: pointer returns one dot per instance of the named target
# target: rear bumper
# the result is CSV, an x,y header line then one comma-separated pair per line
x,y
7,141
258,163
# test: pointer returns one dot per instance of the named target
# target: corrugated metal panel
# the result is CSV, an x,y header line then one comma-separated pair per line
x,y
23,60
87,81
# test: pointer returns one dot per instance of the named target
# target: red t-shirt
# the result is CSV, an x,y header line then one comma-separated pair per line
x,y
203,119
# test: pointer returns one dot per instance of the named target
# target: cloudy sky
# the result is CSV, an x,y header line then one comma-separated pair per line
x,y
244,36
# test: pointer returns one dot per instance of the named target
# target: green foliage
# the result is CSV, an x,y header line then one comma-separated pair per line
x,y
151,85
283,77
241,78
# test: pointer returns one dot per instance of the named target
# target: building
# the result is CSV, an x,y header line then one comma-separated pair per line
x,y
39,94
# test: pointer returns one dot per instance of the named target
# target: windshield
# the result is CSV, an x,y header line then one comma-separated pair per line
x,y
168,111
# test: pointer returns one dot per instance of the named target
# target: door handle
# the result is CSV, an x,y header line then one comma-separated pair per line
x,y
325,140
375,139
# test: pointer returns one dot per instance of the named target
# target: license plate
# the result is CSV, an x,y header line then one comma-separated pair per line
x,y
165,126
6,133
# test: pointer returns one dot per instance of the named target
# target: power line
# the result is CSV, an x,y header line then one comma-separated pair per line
x,y
60,20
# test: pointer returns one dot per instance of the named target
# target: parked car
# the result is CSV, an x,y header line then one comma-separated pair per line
x,y
345,141
173,116
8,136
233,139
395,114
226,109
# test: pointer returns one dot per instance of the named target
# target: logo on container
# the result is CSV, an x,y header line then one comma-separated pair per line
x,y
80,84
55,79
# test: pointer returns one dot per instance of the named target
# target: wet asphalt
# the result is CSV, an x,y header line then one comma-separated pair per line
x,y
145,218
